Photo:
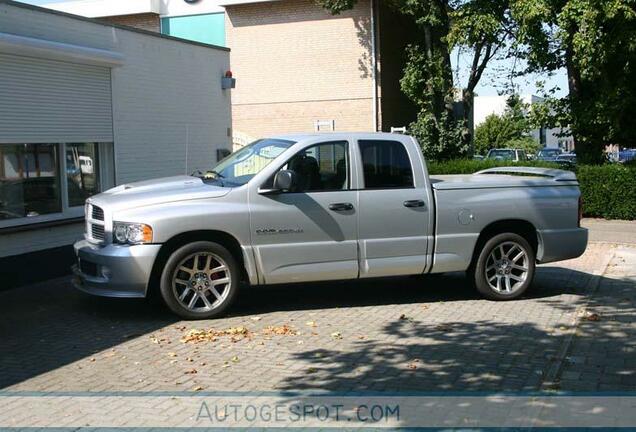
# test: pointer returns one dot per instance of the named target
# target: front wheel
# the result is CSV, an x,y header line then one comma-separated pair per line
x,y
505,267
200,280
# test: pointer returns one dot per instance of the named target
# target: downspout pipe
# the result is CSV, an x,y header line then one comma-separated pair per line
x,y
374,65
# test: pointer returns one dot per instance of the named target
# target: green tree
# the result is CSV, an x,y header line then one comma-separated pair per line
x,y
595,42
508,130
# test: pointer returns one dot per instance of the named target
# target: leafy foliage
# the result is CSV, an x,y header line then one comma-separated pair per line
x,y
440,140
508,130
608,191
595,41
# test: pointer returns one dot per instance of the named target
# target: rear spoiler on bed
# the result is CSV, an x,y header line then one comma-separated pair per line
x,y
556,174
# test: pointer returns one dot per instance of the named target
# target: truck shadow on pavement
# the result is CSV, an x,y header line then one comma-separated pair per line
x,y
510,354
47,326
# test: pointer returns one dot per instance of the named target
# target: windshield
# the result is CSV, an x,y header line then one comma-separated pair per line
x,y
502,154
242,165
549,152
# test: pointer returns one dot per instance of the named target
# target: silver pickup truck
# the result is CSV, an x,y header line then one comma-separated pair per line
x,y
320,207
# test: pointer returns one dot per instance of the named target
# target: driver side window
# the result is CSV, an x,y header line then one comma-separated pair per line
x,y
323,167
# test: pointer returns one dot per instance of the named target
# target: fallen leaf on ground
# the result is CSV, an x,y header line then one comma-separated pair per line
x,y
311,323
197,388
172,354
191,372
284,330
235,359
592,317
212,335
256,318
336,335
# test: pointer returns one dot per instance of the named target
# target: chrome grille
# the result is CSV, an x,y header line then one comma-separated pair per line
x,y
97,213
97,232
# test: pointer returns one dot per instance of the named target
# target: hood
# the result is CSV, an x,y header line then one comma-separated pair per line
x,y
156,191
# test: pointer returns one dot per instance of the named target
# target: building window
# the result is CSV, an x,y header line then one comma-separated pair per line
x,y
29,180
37,185
82,172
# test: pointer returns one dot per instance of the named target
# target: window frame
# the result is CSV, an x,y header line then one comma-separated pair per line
x,y
106,181
348,161
362,180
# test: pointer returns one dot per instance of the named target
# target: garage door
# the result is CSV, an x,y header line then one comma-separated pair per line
x,y
44,101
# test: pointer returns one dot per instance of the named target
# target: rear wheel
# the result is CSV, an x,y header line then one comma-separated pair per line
x,y
200,280
505,267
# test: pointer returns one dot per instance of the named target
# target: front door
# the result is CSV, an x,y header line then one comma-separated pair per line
x,y
309,234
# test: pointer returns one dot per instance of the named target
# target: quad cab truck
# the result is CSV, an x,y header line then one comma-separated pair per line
x,y
320,207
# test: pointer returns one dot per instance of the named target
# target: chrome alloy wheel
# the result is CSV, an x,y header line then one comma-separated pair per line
x,y
201,282
507,267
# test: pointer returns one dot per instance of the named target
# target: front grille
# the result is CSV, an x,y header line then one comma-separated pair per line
x,y
88,268
97,213
97,232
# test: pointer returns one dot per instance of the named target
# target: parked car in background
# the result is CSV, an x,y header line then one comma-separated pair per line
x,y
549,154
626,155
478,157
319,207
566,160
511,155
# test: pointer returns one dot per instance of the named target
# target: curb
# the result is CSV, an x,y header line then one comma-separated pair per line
x,y
550,380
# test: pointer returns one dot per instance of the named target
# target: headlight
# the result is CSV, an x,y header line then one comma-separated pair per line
x,y
131,233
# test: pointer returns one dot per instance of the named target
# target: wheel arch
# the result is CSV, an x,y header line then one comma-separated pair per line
x,y
221,237
521,227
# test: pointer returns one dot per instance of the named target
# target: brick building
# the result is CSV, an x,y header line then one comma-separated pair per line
x,y
298,68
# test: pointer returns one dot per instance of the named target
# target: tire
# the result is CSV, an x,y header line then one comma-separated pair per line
x,y
200,281
504,276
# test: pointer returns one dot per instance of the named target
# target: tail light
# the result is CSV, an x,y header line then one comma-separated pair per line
x,y
580,210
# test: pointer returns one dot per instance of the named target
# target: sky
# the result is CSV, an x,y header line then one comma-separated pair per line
x,y
491,83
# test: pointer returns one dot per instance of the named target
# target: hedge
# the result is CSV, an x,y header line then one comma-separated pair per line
x,y
608,191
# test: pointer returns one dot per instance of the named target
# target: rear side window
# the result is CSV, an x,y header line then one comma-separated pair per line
x,y
386,165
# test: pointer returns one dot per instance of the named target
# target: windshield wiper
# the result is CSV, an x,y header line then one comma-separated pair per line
x,y
215,173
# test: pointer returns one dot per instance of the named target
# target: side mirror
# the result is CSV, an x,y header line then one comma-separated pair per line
x,y
284,181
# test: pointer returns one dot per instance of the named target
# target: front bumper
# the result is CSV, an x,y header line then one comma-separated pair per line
x,y
113,270
559,245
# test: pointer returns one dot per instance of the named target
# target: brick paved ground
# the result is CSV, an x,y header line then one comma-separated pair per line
x,y
425,334
603,352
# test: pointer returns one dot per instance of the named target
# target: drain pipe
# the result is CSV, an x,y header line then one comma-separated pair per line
x,y
374,66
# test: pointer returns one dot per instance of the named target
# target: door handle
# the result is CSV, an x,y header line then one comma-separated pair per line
x,y
341,206
414,203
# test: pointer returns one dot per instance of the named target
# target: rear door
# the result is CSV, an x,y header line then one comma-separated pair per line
x,y
395,220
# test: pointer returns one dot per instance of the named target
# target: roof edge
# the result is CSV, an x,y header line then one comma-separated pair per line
x,y
117,26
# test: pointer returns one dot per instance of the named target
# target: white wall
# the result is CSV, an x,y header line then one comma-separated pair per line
x,y
168,95
164,88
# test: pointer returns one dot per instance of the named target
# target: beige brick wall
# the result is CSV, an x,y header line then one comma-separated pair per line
x,y
148,21
295,63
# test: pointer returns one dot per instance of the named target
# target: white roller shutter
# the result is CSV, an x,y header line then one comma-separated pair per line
x,y
48,101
